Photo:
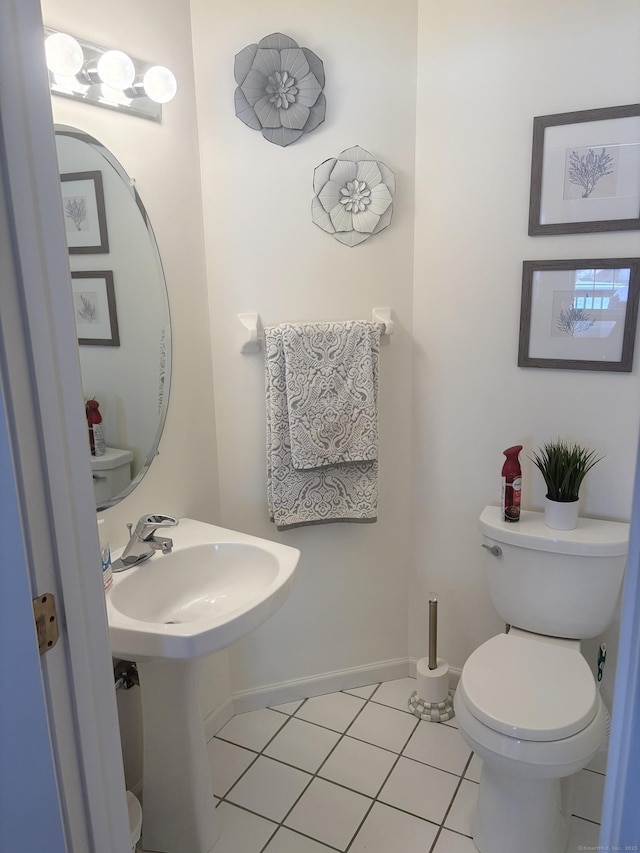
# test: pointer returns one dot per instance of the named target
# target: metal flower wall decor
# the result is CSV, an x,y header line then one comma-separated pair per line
x,y
353,196
279,88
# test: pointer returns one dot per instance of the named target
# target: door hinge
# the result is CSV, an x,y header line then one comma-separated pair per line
x,y
44,611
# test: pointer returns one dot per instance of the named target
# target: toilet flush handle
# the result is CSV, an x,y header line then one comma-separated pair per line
x,y
496,550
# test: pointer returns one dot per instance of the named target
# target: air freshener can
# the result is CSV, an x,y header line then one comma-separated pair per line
x,y
96,428
511,490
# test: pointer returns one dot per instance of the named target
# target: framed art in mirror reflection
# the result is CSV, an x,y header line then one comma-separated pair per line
x,y
84,213
94,303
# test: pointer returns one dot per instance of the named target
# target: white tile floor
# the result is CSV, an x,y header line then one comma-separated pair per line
x,y
355,771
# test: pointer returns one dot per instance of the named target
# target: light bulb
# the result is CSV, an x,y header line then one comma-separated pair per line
x,y
116,70
159,84
64,54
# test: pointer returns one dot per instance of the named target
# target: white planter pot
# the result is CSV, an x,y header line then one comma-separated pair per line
x,y
560,515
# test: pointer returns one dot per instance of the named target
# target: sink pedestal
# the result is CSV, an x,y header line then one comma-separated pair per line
x,y
178,806
167,614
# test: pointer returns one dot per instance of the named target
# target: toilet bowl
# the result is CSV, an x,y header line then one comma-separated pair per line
x,y
528,706
527,702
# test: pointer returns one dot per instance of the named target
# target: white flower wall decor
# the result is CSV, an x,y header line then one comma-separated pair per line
x,y
353,196
279,88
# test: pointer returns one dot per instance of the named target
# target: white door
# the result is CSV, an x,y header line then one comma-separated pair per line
x,y
30,819
45,466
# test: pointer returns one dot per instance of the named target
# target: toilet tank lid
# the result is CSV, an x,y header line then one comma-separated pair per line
x,y
112,457
593,537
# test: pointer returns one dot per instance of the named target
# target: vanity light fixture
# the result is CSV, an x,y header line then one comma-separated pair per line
x,y
105,77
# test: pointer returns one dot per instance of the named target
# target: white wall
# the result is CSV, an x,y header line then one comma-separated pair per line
x,y
482,74
264,254
484,71
164,160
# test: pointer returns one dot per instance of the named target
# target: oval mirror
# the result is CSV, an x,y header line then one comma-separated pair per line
x,y
121,310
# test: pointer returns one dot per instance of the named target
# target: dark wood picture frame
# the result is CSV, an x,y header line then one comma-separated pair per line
x,y
551,171
95,311
542,316
94,213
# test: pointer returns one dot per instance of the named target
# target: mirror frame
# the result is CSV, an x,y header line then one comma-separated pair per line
x,y
82,136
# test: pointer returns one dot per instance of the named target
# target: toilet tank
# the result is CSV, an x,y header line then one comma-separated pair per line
x,y
563,583
111,473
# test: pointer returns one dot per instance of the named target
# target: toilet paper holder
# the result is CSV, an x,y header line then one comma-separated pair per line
x,y
432,700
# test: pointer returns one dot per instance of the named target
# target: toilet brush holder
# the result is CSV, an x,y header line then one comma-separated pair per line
x,y
431,700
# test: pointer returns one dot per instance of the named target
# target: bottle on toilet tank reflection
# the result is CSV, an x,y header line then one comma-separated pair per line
x,y
96,429
511,484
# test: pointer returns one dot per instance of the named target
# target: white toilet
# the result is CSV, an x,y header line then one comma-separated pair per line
x,y
527,702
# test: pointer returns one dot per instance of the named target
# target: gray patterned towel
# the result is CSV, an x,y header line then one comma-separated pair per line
x,y
347,491
331,393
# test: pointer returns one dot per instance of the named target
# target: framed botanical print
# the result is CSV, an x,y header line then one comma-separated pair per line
x,y
94,304
84,213
585,172
579,315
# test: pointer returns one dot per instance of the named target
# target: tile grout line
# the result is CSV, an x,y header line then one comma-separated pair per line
x,y
326,758
257,756
386,779
342,734
261,753
446,814
588,819
315,775
324,761
374,799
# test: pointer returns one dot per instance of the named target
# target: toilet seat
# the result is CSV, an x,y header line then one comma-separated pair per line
x,y
530,689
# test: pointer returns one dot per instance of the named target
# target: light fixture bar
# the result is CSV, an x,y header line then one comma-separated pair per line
x,y
106,78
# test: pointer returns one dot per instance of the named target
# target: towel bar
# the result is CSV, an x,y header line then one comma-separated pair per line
x,y
253,332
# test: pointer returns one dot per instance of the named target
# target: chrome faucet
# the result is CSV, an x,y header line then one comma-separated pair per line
x,y
144,543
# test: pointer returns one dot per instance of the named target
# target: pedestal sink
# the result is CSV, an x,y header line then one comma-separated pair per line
x,y
216,586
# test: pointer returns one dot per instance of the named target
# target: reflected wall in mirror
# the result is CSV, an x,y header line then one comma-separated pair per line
x,y
129,375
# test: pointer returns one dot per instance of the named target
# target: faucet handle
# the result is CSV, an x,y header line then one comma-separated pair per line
x,y
160,520
130,528
148,524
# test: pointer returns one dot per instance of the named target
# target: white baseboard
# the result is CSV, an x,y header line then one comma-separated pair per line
x,y
216,719
315,685
327,682
303,688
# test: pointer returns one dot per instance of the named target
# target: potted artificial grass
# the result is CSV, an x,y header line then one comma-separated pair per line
x,y
563,467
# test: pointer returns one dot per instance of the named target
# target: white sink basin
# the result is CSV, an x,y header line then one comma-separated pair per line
x,y
214,587
166,614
